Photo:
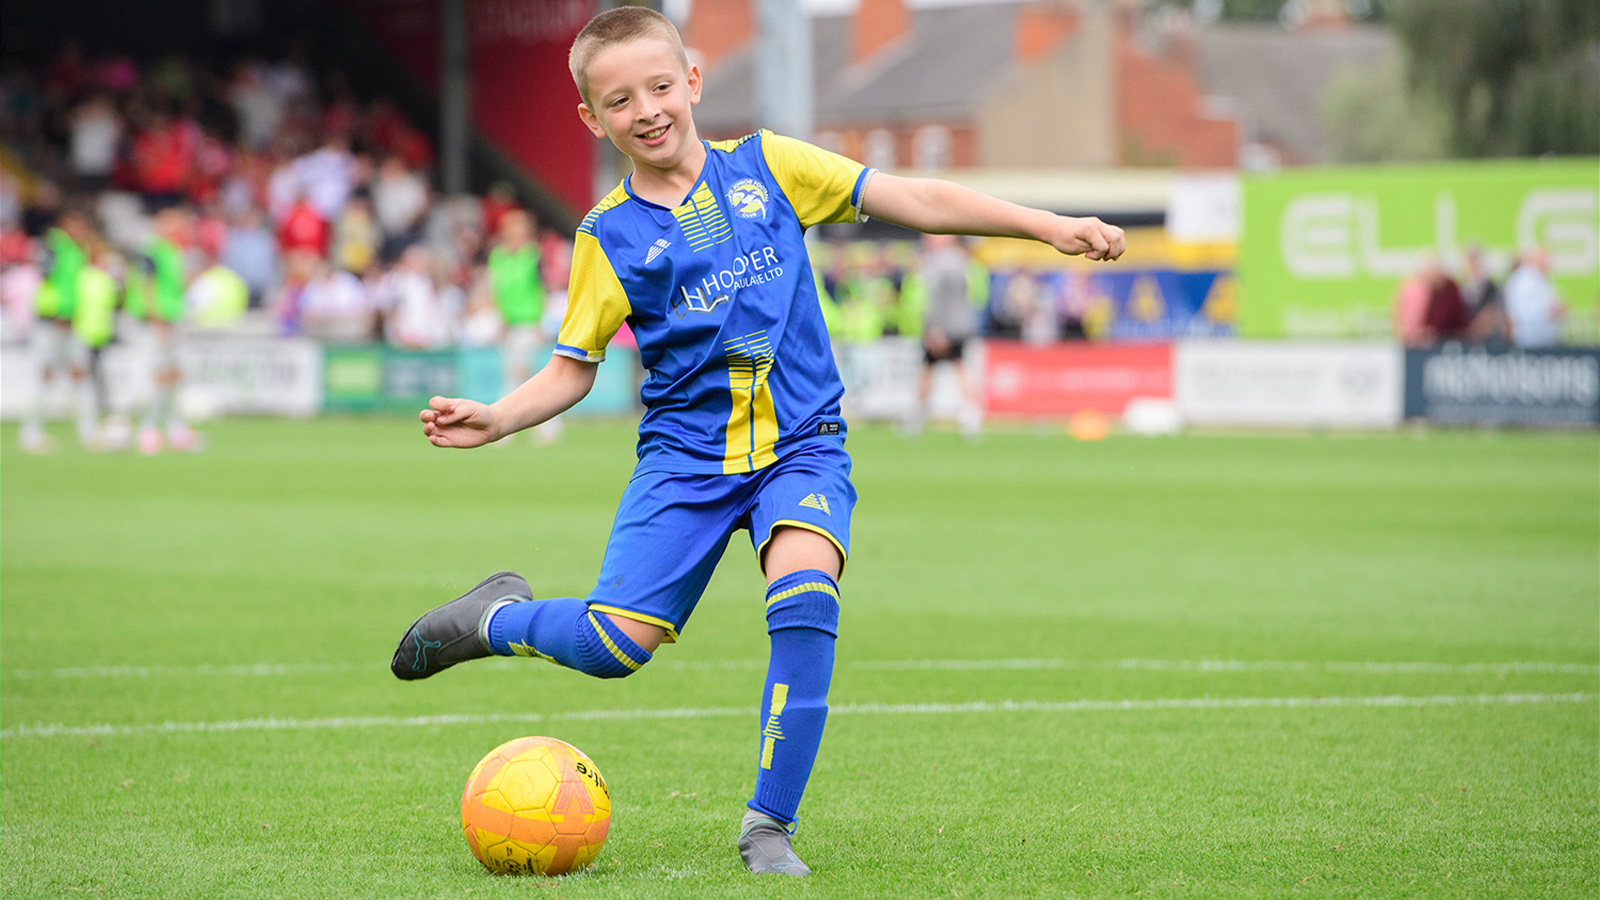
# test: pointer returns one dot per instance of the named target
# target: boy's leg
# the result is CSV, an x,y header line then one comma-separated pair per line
x,y
801,526
669,534
562,630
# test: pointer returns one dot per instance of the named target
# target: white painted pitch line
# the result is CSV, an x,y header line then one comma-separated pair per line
x,y
269,670
43,730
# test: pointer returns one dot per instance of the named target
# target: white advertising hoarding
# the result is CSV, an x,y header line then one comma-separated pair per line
x,y
223,375
1294,384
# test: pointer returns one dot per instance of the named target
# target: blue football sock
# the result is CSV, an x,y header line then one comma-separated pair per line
x,y
565,632
803,620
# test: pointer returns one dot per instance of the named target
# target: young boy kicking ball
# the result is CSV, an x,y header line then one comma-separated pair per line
x,y
700,250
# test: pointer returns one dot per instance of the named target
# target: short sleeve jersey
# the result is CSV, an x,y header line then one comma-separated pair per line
x,y
720,296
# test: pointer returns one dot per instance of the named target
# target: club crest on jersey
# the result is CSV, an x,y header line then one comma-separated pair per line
x,y
655,250
749,199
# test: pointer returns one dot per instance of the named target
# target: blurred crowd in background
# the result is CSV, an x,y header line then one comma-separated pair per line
x,y
282,190
1477,305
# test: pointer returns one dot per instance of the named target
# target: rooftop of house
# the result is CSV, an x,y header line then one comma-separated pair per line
x,y
952,56
1278,77
940,69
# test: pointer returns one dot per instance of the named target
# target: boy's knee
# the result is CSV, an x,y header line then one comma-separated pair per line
x,y
607,652
805,599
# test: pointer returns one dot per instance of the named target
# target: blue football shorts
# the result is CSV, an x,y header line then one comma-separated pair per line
x,y
672,529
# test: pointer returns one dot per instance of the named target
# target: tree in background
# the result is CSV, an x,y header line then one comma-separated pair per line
x,y
1516,77
1368,120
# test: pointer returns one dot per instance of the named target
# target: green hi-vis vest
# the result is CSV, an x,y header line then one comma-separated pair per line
x,y
67,259
156,283
977,284
830,309
223,295
94,317
913,304
514,277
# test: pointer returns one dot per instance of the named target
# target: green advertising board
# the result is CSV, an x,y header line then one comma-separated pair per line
x,y
1323,250
375,378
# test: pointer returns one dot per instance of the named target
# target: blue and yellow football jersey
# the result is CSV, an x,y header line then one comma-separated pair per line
x,y
720,295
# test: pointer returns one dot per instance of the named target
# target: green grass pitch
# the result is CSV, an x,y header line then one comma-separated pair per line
x,y
1239,666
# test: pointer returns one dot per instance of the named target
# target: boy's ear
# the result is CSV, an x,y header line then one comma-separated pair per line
x,y
694,84
590,120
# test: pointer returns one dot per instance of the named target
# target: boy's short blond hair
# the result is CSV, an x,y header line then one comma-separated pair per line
x,y
619,26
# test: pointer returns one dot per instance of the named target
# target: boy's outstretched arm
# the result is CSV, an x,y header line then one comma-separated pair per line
x,y
941,207
452,422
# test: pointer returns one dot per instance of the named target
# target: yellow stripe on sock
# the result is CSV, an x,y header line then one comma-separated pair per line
x,y
611,645
774,734
822,586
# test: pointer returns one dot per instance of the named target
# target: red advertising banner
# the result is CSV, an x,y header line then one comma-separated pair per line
x,y
1057,380
523,99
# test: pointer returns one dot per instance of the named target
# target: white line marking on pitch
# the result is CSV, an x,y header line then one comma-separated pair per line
x,y
849,709
269,670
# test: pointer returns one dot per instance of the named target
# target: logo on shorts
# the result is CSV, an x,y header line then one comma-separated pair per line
x,y
749,199
817,501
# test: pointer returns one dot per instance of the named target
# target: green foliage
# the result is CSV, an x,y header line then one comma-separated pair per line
x,y
1518,77
264,582
1371,115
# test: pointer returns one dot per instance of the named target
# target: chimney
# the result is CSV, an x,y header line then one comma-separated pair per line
x,y
877,24
717,28
1042,27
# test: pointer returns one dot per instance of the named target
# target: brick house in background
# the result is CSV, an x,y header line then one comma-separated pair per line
x,y
1048,84
1055,84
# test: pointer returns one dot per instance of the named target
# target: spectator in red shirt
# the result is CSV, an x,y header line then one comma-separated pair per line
x,y
303,229
1446,318
69,73
383,126
501,199
161,160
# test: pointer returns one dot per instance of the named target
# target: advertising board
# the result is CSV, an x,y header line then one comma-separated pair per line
x,y
382,379
222,375
1324,249
1503,387
1056,380
1294,384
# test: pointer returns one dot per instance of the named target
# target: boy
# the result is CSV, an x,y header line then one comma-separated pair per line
x,y
700,250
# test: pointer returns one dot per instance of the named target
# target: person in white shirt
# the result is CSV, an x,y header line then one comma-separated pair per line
x,y
335,305
399,200
415,316
96,133
1532,304
327,175
259,107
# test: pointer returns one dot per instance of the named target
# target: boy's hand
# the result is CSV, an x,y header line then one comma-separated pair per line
x,y
449,422
1088,236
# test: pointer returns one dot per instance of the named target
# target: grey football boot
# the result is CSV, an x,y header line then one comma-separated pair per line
x,y
764,846
455,632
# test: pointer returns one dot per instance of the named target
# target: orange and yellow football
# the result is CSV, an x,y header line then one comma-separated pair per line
x,y
535,806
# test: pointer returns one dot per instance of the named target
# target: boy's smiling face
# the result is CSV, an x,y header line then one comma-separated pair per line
x,y
640,97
